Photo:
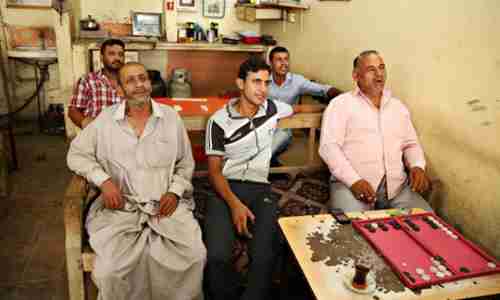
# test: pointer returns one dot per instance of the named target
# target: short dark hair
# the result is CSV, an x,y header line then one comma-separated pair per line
x,y
112,42
277,50
253,64
355,63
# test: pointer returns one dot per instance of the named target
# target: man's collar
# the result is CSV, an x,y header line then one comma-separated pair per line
x,y
386,94
233,112
119,113
288,77
100,73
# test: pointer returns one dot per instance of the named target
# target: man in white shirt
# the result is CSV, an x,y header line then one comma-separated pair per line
x,y
147,242
238,145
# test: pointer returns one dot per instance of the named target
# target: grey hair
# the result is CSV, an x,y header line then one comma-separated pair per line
x,y
355,63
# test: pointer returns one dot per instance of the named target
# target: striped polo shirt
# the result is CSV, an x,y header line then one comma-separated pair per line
x,y
245,143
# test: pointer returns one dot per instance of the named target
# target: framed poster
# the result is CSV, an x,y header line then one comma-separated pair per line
x,y
187,5
30,3
214,8
146,24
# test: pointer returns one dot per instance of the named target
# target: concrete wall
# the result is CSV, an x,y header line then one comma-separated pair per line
x,y
21,76
442,59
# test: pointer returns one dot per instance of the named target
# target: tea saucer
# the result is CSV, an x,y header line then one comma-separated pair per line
x,y
370,280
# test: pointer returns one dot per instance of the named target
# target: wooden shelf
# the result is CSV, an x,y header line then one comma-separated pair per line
x,y
279,5
268,12
204,46
29,6
195,46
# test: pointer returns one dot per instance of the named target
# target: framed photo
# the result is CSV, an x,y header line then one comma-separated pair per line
x,y
187,5
146,24
214,8
30,3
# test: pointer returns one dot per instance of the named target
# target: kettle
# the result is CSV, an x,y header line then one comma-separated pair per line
x,y
89,24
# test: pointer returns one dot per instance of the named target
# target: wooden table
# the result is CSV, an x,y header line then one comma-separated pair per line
x,y
326,252
196,111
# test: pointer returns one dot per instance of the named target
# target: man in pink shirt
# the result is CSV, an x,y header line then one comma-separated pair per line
x,y
367,140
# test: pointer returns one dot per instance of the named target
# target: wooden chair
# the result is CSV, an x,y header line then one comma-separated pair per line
x,y
79,257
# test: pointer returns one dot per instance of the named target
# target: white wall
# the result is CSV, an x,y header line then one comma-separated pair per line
x,y
441,57
24,88
120,10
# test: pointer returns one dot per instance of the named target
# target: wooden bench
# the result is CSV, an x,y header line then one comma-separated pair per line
x,y
75,200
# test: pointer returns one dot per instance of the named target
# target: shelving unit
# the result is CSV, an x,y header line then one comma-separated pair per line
x,y
269,12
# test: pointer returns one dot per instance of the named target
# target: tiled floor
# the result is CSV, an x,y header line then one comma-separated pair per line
x,y
32,261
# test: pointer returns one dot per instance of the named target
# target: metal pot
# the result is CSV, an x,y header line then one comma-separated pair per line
x,y
89,24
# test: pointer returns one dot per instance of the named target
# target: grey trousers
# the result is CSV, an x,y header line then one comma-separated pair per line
x,y
342,198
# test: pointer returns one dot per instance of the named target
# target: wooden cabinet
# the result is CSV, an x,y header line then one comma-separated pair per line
x,y
252,13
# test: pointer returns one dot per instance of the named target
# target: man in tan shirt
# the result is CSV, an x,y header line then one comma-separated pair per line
x,y
147,242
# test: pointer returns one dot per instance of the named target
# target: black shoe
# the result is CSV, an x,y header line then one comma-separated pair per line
x,y
279,177
275,163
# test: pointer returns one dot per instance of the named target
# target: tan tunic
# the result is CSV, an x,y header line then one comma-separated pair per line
x,y
139,256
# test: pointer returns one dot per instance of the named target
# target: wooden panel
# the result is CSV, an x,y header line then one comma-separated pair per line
x,y
117,29
240,13
211,72
252,14
31,36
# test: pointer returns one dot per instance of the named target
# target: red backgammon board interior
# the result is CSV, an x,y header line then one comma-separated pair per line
x,y
423,250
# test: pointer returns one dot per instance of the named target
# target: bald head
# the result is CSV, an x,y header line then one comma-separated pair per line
x,y
125,69
134,80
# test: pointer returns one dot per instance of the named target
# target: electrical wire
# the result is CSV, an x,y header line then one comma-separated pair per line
x,y
44,72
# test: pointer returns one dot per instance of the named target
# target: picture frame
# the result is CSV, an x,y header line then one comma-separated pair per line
x,y
187,5
214,8
45,4
147,24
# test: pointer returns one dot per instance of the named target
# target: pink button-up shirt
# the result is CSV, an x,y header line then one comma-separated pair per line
x,y
359,141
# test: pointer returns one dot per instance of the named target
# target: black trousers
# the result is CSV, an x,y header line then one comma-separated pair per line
x,y
221,279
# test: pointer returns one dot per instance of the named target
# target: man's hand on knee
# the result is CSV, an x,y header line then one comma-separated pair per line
x,y
363,191
419,182
111,194
168,204
241,215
